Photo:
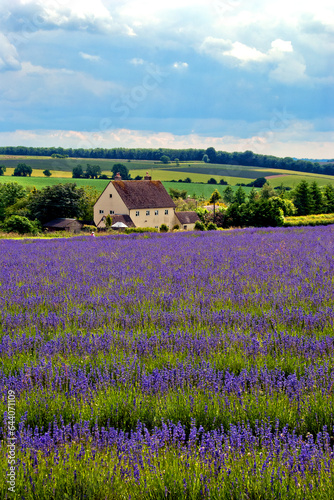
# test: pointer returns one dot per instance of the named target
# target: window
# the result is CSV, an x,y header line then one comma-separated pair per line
x,y
137,213
156,212
110,196
112,212
184,227
147,212
166,212
101,211
156,227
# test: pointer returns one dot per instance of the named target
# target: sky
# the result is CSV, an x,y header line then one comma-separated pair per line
x,y
232,74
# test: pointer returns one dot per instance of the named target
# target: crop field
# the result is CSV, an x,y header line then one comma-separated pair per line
x,y
41,182
181,366
197,171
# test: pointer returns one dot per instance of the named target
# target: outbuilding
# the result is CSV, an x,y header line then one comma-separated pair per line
x,y
70,225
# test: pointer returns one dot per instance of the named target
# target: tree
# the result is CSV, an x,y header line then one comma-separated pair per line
x,y
90,196
212,181
302,198
61,200
176,194
212,155
2,169
122,170
213,199
205,159
10,193
138,178
266,191
108,221
228,194
92,171
259,182
21,225
222,182
239,196
47,173
316,199
22,170
177,161
165,159
77,172
187,180
329,199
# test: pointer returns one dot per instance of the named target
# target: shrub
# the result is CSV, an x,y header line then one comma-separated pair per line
x,y
176,227
211,226
163,228
86,228
21,225
129,230
199,226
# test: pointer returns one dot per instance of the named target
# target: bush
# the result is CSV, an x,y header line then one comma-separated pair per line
x,y
176,227
199,226
212,181
129,230
21,225
86,228
211,226
163,228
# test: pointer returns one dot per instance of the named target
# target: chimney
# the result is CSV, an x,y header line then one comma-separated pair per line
x,y
147,177
118,177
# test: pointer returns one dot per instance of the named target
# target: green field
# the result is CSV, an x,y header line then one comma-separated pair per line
x,y
41,182
61,169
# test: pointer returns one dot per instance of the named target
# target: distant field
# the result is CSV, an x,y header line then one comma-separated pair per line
x,y
41,182
67,164
204,190
61,169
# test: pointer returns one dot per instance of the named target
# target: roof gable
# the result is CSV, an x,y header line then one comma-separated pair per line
x,y
143,194
187,217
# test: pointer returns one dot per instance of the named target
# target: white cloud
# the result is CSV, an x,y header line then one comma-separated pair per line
x,y
297,138
89,57
180,65
221,49
137,61
8,55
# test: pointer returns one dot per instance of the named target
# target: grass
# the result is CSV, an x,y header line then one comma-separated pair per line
x,y
197,171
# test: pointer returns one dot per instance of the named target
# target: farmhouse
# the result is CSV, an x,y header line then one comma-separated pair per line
x,y
71,225
144,203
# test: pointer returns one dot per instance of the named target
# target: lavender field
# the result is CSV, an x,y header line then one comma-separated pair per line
x,y
178,366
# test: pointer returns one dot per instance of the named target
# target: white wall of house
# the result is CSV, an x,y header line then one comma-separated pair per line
x,y
154,217
110,203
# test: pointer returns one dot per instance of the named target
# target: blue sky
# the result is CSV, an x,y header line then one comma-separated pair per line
x,y
231,74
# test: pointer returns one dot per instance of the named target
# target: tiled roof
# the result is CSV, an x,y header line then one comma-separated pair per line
x,y
187,217
143,194
61,223
126,219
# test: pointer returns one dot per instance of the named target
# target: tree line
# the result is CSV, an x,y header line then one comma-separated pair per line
x,y
209,155
267,207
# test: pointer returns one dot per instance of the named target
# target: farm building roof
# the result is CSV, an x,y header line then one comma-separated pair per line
x,y
187,217
143,194
61,223
126,219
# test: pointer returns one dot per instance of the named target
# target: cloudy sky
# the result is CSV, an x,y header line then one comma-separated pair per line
x,y
230,74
